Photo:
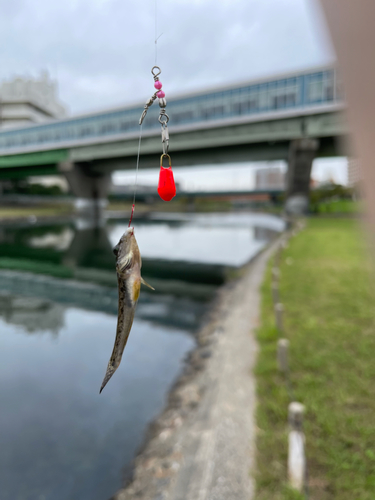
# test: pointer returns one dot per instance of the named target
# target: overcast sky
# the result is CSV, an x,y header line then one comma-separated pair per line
x,y
101,51
232,177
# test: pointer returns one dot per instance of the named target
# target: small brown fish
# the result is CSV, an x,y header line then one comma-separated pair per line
x,y
128,267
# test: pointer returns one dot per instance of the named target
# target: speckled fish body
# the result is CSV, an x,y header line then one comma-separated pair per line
x,y
128,267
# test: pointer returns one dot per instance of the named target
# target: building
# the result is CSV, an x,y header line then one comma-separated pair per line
x,y
24,101
269,178
354,172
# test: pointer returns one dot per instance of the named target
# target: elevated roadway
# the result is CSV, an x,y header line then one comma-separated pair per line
x,y
293,117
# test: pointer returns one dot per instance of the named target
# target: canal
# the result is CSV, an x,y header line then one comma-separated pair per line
x,y
60,439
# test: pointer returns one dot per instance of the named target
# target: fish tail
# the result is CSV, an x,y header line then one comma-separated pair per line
x,y
110,371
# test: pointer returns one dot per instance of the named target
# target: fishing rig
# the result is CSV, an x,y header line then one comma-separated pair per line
x,y
166,184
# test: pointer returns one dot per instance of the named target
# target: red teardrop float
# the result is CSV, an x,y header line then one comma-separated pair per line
x,y
166,186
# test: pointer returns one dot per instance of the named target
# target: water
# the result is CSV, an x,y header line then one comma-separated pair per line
x,y
60,440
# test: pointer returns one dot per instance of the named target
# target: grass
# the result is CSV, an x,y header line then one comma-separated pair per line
x,y
337,206
14,212
58,271
325,286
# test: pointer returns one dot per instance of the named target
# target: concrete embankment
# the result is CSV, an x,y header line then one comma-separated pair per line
x,y
202,447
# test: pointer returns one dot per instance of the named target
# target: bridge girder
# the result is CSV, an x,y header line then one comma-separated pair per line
x,y
88,167
256,141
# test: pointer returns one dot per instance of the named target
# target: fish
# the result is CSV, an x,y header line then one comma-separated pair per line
x,y
129,279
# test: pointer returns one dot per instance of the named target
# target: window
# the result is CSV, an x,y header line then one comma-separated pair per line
x,y
263,99
183,116
85,131
212,111
315,90
290,99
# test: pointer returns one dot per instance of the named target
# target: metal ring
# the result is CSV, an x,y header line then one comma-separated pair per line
x,y
155,74
143,116
165,155
166,118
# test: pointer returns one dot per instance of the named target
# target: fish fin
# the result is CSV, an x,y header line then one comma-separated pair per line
x,y
145,283
136,290
125,263
110,371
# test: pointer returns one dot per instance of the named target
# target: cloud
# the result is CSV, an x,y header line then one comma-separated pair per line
x,y
101,51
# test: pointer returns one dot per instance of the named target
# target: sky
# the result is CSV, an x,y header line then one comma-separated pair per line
x,y
101,51
238,176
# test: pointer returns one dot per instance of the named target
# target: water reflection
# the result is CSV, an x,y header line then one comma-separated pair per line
x,y
190,248
59,439
33,314
39,300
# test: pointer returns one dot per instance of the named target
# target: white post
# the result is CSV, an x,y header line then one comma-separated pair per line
x,y
279,308
275,293
282,354
275,274
278,253
296,454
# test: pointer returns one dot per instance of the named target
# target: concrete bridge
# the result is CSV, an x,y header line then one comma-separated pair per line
x,y
293,117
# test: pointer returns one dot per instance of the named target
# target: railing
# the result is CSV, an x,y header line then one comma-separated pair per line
x,y
308,89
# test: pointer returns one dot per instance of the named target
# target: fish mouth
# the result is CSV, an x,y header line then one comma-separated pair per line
x,y
130,231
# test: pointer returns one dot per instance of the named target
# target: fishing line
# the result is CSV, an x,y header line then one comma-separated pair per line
x,y
156,32
136,174
140,130
166,186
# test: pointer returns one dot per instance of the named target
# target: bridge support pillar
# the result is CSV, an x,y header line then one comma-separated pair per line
x,y
301,156
90,247
90,188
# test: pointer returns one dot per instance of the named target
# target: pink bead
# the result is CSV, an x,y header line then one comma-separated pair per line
x,y
158,85
160,94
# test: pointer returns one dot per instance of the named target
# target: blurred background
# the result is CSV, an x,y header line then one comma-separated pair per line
x,y
257,131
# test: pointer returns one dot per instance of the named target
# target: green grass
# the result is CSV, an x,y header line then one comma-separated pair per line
x,y
58,271
340,206
326,288
14,212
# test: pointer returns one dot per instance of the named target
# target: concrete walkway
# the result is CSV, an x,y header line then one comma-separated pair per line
x,y
203,446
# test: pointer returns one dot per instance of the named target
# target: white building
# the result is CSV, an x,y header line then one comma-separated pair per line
x,y
24,101
354,172
270,177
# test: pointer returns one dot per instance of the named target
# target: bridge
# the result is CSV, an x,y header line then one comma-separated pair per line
x,y
294,117
150,197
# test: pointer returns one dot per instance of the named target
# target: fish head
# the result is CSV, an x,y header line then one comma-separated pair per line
x,y
128,235
124,245
125,250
